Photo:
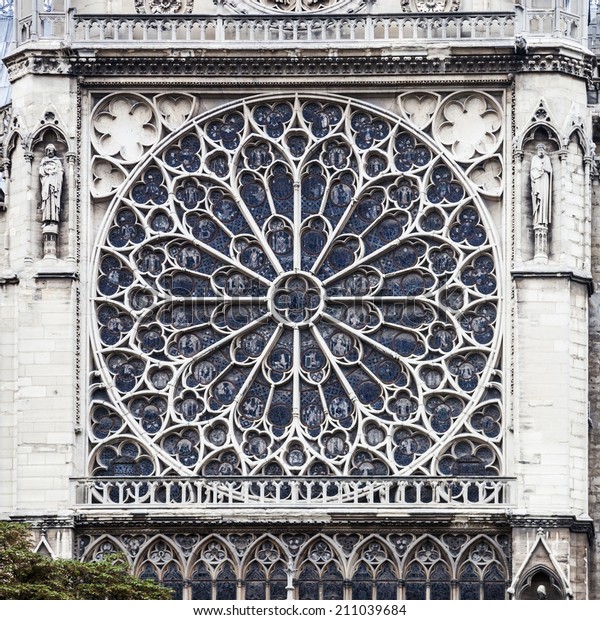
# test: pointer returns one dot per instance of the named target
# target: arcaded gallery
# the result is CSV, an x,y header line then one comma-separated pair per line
x,y
299,298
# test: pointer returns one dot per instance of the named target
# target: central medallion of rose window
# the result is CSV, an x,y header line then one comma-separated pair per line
x,y
297,287
297,298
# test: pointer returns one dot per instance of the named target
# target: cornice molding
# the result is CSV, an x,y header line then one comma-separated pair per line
x,y
554,272
214,68
573,524
445,524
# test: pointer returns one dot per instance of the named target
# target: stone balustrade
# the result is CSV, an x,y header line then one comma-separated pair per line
x,y
289,493
248,31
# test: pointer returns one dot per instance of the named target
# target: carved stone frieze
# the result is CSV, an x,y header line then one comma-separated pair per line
x,y
164,6
430,6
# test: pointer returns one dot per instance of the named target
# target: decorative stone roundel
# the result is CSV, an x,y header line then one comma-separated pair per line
x,y
430,6
164,6
295,286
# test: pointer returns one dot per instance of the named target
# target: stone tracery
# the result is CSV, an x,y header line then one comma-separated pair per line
x,y
295,288
385,566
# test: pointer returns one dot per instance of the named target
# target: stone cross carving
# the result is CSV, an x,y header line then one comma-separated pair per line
x,y
51,173
541,199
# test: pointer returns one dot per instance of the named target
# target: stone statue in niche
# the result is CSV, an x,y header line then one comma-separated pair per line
x,y
51,177
541,186
51,173
541,199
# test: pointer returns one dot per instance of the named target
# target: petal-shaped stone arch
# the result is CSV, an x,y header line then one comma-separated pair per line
x,y
320,570
161,561
105,546
235,290
427,571
481,571
373,570
213,570
265,570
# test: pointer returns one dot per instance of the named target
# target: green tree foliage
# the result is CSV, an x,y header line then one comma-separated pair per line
x,y
26,575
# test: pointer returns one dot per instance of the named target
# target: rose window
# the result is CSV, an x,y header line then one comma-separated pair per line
x,y
296,287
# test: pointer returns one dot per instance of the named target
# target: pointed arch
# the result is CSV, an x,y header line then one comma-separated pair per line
x,y
541,122
161,561
265,569
104,546
320,571
540,582
540,568
481,571
373,571
46,134
427,571
213,571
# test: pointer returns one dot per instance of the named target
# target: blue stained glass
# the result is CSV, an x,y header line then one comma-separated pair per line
x,y
273,118
186,156
313,187
201,584
434,220
388,371
161,222
278,584
173,579
308,585
440,591
389,229
255,584
219,165
368,392
190,194
361,590
226,588
282,187
369,209
415,588
151,189
203,229
280,415
253,194
297,145
386,590
225,210
313,242
340,257
333,585
341,195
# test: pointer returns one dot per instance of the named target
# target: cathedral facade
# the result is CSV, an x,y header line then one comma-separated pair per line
x,y
297,296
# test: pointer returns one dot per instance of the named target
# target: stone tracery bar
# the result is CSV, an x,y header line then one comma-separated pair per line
x,y
296,492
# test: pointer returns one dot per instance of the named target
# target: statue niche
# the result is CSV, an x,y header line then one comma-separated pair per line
x,y
51,173
540,175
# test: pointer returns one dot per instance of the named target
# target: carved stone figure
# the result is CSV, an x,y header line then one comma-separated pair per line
x,y
541,186
541,593
51,177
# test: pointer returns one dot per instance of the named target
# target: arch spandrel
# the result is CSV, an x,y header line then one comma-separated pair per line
x,y
297,287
